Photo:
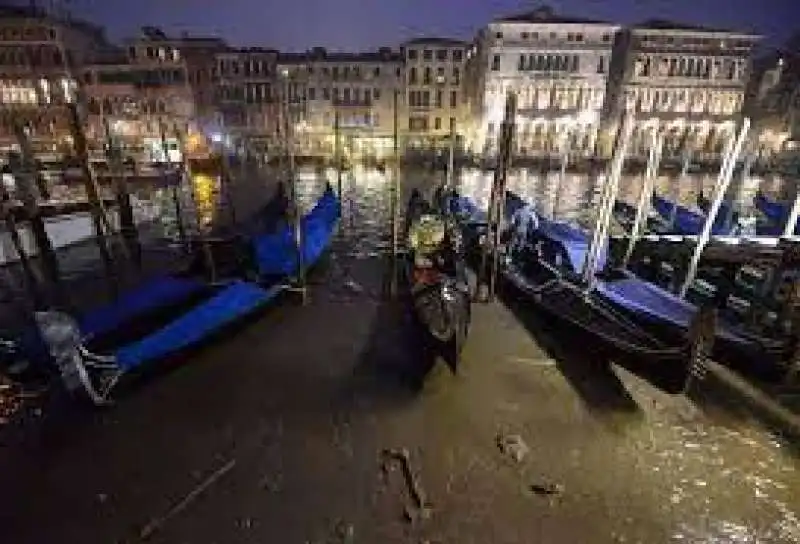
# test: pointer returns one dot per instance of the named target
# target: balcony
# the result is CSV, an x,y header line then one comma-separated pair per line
x,y
341,103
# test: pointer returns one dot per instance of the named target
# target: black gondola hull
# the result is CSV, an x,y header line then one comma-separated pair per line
x,y
757,357
664,363
442,312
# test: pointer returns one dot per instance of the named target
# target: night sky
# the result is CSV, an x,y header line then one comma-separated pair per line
x,y
295,25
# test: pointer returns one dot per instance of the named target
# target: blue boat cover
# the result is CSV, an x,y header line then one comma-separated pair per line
x,y
777,214
234,301
276,254
687,221
645,298
468,210
156,293
572,240
775,211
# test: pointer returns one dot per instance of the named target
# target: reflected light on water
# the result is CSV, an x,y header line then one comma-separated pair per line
x,y
575,197
205,189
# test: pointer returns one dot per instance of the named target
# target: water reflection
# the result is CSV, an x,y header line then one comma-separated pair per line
x,y
573,196
719,483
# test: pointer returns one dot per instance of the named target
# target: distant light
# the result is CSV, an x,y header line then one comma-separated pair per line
x,y
216,137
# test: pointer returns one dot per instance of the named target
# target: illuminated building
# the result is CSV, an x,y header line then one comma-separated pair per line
x,y
773,100
247,94
689,81
141,92
434,90
39,55
558,68
358,88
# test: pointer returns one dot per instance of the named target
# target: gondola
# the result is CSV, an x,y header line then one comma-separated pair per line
x,y
682,220
554,252
170,314
438,293
544,264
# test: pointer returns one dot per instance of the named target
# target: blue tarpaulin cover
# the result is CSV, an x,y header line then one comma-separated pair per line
x,y
777,213
573,240
465,207
276,254
645,298
156,293
685,220
232,302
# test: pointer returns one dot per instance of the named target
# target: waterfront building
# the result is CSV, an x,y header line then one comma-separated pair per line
x,y
40,55
688,81
436,106
773,101
557,66
352,97
248,96
139,97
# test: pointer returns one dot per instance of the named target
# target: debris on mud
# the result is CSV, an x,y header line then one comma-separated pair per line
x,y
353,286
513,446
344,533
419,509
547,490
13,398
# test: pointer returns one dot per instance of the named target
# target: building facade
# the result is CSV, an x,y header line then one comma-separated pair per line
x,y
557,67
436,105
248,96
688,82
573,79
773,101
141,93
39,58
353,99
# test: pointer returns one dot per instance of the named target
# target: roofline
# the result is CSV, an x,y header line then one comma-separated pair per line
x,y
721,33
686,28
434,41
587,22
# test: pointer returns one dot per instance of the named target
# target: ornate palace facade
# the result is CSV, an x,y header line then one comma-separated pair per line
x,y
557,66
686,81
